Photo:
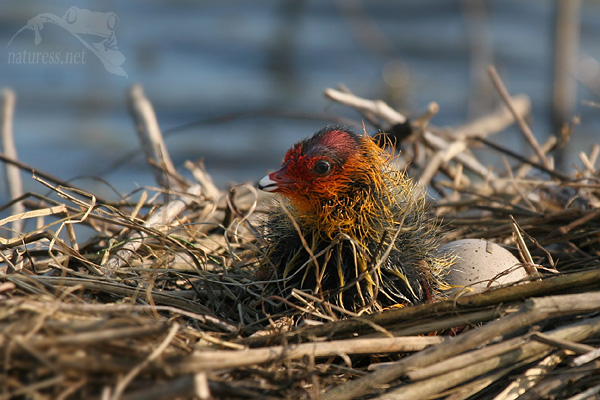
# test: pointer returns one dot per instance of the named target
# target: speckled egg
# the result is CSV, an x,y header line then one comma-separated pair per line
x,y
480,264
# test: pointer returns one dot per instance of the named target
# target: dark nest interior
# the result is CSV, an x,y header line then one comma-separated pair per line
x,y
163,300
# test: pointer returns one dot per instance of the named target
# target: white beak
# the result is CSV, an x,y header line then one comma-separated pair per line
x,y
267,184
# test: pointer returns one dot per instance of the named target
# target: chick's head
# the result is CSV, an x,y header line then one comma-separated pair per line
x,y
334,163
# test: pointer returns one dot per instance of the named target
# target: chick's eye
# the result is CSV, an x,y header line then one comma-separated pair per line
x,y
322,167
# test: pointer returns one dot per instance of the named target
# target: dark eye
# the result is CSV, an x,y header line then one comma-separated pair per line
x,y
322,167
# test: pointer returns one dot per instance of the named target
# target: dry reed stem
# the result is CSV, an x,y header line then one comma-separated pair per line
x,y
528,263
554,382
566,53
393,117
589,356
562,344
113,288
151,137
378,107
159,220
527,353
466,359
441,157
128,309
43,212
534,310
467,159
13,175
215,360
135,371
520,121
470,389
494,122
530,377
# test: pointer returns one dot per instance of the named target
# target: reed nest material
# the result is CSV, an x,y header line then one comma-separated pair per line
x,y
163,300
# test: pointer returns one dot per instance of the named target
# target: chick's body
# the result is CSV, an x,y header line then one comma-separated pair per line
x,y
351,229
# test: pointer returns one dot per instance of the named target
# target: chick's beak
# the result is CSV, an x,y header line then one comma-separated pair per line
x,y
275,181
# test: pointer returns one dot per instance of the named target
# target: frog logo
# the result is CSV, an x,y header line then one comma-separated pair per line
x,y
95,30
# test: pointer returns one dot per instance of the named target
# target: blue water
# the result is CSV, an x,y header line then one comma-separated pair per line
x,y
201,60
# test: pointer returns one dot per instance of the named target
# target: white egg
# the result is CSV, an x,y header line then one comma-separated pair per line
x,y
481,264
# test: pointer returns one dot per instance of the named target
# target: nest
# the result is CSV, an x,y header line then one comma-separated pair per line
x,y
163,300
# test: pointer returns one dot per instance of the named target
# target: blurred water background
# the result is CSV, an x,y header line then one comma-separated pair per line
x,y
231,70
